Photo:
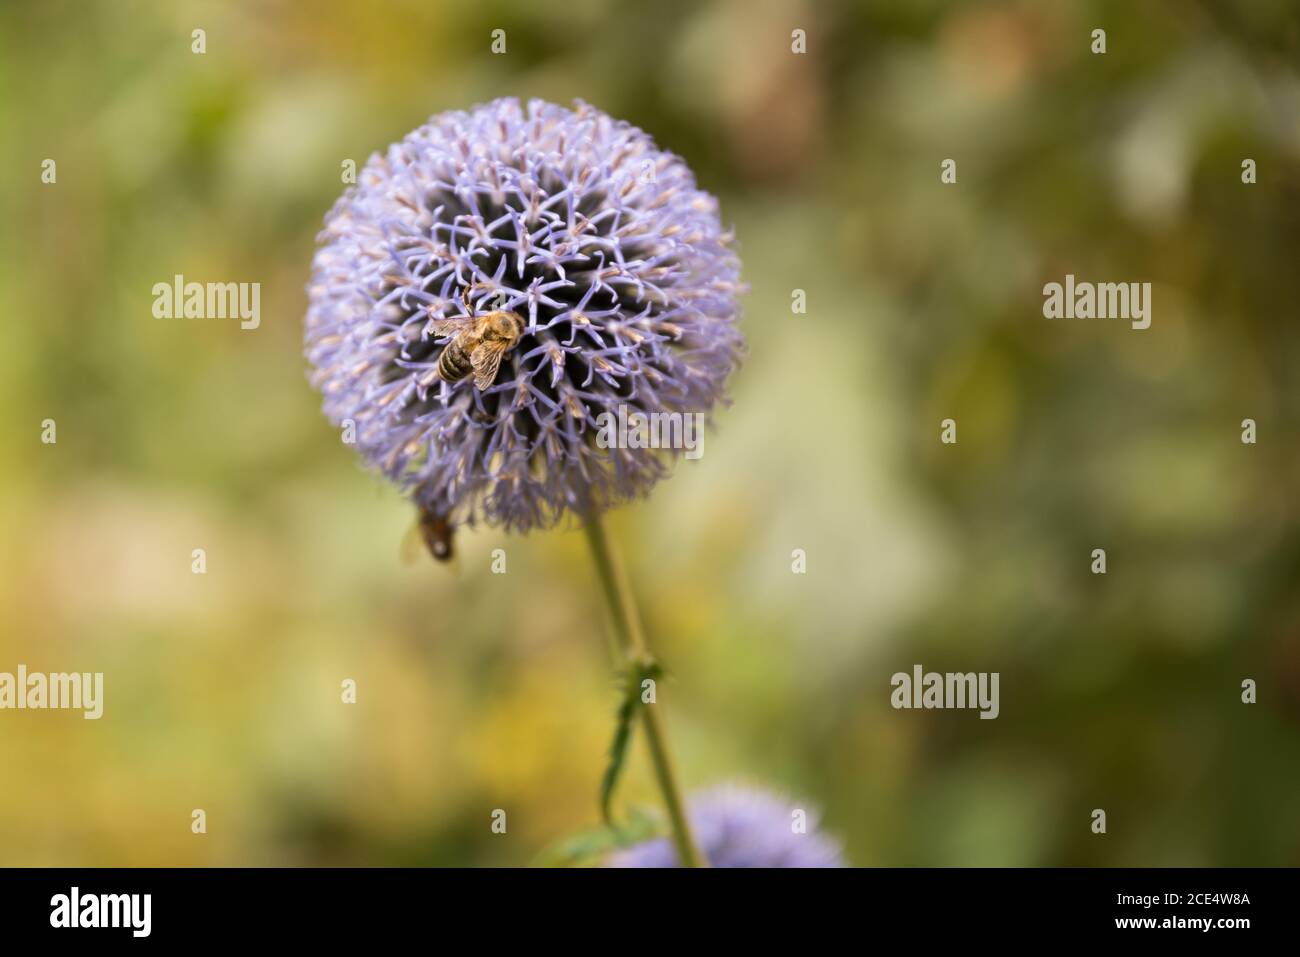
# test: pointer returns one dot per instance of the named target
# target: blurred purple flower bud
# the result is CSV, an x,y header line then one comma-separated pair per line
x,y
742,827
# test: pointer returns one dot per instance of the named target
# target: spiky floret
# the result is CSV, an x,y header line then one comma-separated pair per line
x,y
578,223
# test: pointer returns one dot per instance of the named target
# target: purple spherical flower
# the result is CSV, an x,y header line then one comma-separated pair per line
x,y
611,278
742,827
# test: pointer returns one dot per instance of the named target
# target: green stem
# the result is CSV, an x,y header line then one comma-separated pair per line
x,y
627,628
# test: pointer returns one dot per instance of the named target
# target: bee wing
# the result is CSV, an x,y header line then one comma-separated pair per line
x,y
485,361
451,326
412,544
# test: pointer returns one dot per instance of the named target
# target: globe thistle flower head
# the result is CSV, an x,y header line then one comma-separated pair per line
x,y
741,827
618,280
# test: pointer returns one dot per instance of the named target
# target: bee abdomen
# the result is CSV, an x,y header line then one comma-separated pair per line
x,y
453,363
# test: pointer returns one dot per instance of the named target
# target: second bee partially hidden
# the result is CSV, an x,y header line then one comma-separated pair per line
x,y
434,531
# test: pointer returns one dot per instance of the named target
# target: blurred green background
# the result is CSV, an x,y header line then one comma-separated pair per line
x,y
479,691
